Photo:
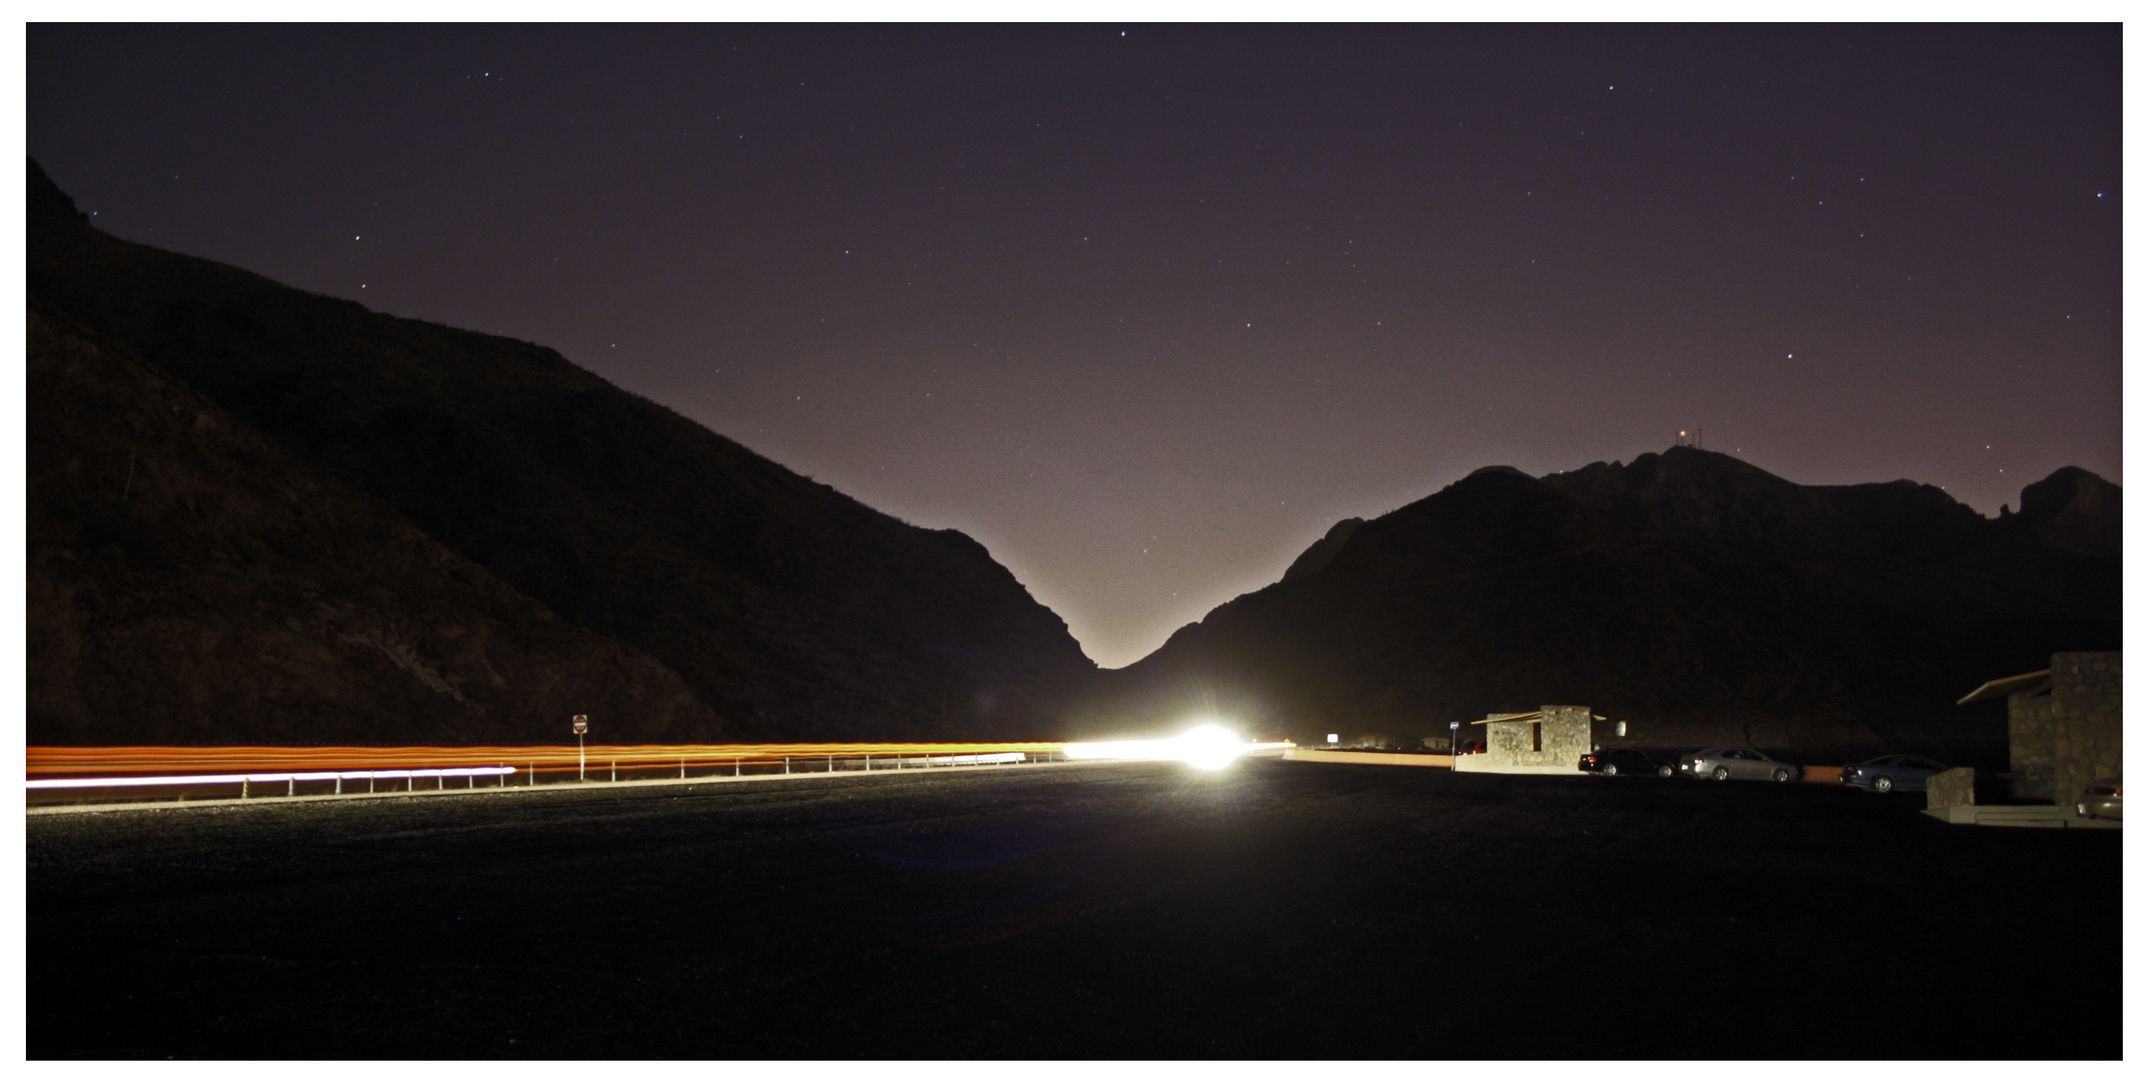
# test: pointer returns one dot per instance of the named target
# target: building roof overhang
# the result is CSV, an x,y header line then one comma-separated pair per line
x,y
2033,682
1525,718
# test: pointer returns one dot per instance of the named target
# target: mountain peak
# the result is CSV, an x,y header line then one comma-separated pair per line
x,y
1700,596
2075,510
1730,506
46,199
1322,550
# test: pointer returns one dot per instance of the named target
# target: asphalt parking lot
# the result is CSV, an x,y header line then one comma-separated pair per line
x,y
1274,910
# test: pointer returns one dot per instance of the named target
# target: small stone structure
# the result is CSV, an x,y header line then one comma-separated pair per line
x,y
1951,796
1551,739
2066,724
1953,787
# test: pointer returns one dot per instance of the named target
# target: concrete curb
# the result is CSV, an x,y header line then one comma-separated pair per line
x,y
1810,774
1367,757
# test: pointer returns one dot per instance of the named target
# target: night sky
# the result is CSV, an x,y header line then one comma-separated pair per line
x,y
1146,309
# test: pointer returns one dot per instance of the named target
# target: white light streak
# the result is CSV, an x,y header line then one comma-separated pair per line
x,y
266,778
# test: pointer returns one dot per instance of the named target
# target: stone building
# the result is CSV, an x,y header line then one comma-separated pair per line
x,y
2066,724
1551,739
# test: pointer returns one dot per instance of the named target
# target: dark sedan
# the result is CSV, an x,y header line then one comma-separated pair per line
x,y
1626,762
1903,772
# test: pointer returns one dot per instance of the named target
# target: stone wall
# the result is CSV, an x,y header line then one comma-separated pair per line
x,y
1508,744
1567,734
2087,705
2072,735
2033,735
1953,787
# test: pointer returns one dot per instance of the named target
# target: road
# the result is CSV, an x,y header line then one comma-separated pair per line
x,y
1276,909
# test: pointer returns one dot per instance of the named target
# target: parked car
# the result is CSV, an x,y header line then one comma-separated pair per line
x,y
2103,798
1735,763
1472,746
1905,772
1626,761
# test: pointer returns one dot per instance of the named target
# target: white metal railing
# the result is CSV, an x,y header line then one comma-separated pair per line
x,y
977,759
373,777
245,781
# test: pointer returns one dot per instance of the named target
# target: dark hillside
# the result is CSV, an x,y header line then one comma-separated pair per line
x,y
189,581
792,611
1689,593
1896,587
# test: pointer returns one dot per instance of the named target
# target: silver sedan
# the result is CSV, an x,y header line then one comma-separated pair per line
x,y
1735,763
2104,798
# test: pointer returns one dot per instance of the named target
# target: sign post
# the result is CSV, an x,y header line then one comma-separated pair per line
x,y
581,730
1453,741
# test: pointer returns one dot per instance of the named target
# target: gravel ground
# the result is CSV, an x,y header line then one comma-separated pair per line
x,y
1273,910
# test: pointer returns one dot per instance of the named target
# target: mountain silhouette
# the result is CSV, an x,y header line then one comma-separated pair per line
x,y
338,456
1694,596
259,514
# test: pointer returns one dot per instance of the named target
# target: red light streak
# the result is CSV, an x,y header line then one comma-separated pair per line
x,y
108,760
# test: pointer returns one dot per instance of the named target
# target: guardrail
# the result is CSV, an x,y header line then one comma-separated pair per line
x,y
127,771
245,781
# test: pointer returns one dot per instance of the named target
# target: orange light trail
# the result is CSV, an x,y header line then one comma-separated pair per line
x,y
76,760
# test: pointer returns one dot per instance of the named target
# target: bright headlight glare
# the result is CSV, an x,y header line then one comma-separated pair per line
x,y
1208,746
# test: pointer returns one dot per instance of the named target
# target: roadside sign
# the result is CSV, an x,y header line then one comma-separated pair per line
x,y
1332,739
581,725
1453,725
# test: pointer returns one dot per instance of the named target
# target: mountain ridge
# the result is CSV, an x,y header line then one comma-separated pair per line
x,y
1692,593
793,611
